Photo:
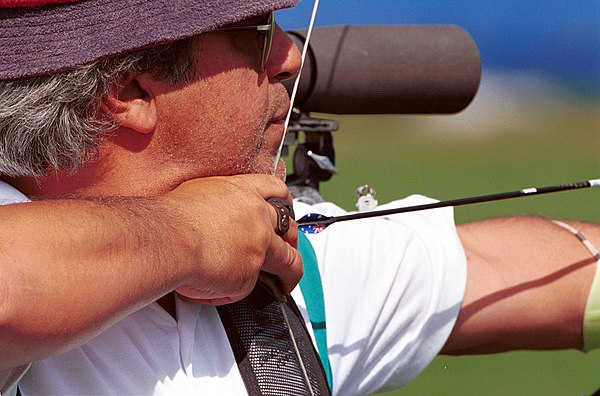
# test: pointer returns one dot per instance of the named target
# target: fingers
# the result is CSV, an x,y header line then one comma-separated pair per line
x,y
208,301
234,234
284,260
291,236
268,186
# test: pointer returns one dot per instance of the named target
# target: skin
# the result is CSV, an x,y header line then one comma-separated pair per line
x,y
177,135
527,286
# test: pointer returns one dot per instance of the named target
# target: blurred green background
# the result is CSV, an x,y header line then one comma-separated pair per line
x,y
530,125
493,146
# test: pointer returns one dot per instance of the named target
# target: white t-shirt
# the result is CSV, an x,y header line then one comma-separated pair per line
x,y
392,288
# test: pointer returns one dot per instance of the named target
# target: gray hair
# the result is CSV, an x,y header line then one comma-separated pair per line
x,y
55,122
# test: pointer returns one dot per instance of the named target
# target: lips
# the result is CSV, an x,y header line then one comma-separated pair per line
x,y
281,106
280,116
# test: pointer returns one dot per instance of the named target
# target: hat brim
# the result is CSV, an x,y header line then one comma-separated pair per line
x,y
35,41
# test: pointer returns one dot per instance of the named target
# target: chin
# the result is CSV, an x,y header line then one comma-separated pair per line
x,y
281,171
265,167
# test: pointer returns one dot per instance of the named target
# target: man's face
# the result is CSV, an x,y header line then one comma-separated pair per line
x,y
230,119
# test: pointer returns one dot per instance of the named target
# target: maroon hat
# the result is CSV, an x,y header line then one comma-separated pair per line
x,y
48,36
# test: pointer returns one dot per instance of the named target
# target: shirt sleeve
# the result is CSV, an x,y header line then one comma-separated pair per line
x,y
393,288
9,195
9,379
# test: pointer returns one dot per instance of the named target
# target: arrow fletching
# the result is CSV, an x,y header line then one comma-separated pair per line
x,y
313,223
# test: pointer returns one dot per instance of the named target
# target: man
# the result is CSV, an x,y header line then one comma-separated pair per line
x,y
211,104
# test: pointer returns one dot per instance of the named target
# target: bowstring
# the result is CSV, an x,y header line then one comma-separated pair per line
x,y
278,156
296,84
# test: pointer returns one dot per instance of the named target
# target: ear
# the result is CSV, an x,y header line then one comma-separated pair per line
x,y
133,104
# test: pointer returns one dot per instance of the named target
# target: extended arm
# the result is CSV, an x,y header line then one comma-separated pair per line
x,y
70,269
527,286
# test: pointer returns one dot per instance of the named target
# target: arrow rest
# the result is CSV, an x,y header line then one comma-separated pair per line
x,y
314,155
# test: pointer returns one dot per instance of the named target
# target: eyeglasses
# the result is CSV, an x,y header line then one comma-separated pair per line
x,y
264,37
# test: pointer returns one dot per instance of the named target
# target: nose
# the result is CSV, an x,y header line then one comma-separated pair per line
x,y
284,61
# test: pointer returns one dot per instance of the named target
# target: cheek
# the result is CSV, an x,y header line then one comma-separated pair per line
x,y
246,104
215,126
242,114
230,80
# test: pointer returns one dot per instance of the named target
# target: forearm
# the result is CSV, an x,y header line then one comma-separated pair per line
x,y
527,286
71,269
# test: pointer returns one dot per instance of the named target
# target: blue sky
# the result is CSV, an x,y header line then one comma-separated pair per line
x,y
560,38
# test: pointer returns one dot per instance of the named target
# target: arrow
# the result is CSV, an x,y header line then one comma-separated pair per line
x,y
314,223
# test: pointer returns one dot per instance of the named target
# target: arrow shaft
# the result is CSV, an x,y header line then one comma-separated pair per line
x,y
454,202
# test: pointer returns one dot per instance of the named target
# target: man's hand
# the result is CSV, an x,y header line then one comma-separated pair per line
x,y
230,229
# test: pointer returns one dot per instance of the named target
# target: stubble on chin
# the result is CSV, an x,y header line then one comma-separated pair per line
x,y
281,170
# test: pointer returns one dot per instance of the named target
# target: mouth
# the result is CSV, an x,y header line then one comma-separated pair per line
x,y
281,109
277,121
